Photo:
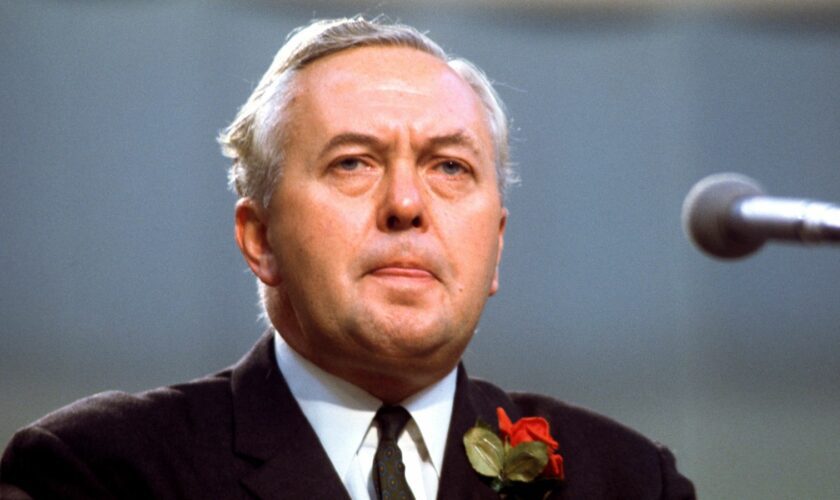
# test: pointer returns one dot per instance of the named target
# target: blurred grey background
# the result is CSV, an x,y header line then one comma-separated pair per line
x,y
119,270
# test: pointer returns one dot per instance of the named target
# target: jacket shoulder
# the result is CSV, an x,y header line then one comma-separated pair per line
x,y
579,421
120,416
81,448
574,422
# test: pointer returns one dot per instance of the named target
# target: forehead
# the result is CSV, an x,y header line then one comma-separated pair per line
x,y
387,87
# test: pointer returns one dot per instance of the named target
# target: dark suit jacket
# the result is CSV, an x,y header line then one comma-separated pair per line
x,y
241,434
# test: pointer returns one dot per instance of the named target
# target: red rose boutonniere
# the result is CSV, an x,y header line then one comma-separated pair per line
x,y
521,461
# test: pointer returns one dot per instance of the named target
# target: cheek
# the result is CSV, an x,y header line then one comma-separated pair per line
x,y
476,245
318,239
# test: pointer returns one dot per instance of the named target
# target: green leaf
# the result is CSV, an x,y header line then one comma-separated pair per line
x,y
525,461
485,451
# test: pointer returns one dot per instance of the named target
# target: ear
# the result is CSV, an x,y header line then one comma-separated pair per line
x,y
494,287
251,229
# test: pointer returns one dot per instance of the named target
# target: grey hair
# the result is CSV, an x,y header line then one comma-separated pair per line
x,y
255,138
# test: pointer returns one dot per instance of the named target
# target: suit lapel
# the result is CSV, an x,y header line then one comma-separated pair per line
x,y
472,401
271,431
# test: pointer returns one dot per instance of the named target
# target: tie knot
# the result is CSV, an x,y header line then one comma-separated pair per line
x,y
391,420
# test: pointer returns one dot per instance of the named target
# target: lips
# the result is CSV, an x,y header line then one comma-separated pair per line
x,y
402,270
405,262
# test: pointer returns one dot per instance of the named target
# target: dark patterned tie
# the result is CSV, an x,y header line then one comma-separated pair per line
x,y
388,468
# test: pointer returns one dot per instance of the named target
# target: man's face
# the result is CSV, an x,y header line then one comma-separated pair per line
x,y
384,234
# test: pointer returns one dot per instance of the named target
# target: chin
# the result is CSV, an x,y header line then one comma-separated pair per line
x,y
423,348
408,335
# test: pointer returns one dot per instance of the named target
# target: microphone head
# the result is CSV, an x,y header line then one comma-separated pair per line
x,y
706,215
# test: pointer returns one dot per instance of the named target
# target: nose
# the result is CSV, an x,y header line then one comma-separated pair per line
x,y
402,205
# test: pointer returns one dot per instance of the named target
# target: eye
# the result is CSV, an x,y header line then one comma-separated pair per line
x,y
350,164
452,168
352,175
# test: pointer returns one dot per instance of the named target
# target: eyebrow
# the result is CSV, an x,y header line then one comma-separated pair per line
x,y
459,138
354,139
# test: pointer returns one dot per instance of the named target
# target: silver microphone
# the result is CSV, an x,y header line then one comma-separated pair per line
x,y
729,216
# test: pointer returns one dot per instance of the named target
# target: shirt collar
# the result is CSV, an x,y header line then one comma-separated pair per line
x,y
431,410
341,413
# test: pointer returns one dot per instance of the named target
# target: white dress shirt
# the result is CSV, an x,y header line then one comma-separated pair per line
x,y
342,416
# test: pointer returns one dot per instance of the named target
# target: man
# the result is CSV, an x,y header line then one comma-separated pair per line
x,y
371,171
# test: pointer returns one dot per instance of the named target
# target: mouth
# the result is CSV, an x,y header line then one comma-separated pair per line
x,y
403,270
404,265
